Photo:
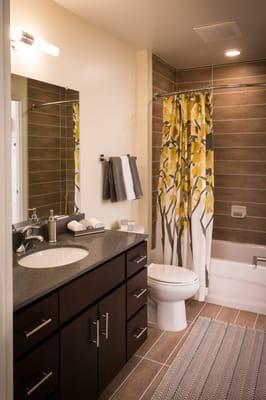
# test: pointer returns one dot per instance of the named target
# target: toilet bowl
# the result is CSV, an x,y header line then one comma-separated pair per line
x,y
169,287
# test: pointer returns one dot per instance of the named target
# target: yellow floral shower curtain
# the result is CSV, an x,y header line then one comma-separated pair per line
x,y
186,180
76,136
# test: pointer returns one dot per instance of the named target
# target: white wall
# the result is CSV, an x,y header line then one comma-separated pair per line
x,y
104,70
6,293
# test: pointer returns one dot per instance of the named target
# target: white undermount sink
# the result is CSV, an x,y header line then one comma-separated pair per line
x,y
56,257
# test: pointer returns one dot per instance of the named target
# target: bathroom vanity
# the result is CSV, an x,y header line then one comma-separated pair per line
x,y
75,326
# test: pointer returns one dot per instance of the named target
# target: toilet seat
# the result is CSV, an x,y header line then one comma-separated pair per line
x,y
171,275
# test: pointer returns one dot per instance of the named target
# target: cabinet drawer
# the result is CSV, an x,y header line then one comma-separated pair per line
x,y
136,292
36,375
136,331
90,287
34,323
136,258
54,397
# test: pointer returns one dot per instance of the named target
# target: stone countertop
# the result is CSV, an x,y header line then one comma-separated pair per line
x,y
31,284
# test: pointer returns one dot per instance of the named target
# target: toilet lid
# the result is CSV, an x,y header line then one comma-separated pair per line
x,y
171,274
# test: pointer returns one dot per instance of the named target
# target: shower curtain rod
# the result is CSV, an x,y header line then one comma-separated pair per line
x,y
230,86
34,106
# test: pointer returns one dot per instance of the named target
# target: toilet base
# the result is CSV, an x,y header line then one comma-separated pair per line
x,y
171,316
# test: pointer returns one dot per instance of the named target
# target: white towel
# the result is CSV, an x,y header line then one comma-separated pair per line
x,y
75,226
92,223
128,178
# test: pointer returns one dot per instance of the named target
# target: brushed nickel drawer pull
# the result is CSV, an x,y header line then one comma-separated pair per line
x,y
139,259
97,341
46,376
43,323
106,333
142,331
139,293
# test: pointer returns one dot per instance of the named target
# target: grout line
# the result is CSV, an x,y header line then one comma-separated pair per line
x,y
243,160
233,133
219,312
236,146
165,363
228,214
255,322
131,372
150,384
238,105
126,378
156,341
237,119
237,229
164,77
196,316
154,361
237,315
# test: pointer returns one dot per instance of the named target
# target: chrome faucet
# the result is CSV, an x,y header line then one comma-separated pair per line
x,y
28,238
257,259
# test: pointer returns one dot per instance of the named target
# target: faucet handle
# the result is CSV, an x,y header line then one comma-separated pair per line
x,y
25,229
34,217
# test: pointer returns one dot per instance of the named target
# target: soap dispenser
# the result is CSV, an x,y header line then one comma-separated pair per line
x,y
52,228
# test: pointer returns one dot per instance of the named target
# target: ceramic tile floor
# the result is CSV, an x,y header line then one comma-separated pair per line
x,y
144,371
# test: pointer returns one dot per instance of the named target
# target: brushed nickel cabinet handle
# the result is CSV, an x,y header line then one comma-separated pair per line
x,y
46,376
139,293
139,259
106,333
44,322
97,341
142,331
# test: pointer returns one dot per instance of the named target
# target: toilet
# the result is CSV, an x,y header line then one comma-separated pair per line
x,y
169,287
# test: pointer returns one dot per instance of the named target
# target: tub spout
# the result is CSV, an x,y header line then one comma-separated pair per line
x,y
257,259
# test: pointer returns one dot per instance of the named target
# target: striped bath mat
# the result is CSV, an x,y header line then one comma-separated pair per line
x,y
218,361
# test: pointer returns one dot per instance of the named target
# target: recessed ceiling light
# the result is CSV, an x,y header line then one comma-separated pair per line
x,y
232,52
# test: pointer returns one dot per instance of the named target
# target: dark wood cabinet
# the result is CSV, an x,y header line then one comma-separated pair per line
x,y
112,350
136,331
78,357
136,259
90,287
71,344
36,375
136,292
35,323
94,342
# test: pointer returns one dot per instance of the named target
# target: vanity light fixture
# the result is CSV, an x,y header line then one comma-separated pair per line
x,y
232,52
20,39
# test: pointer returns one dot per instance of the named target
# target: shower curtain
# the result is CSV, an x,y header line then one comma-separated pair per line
x,y
186,181
76,136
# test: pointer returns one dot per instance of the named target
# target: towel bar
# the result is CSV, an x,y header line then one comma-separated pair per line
x,y
103,158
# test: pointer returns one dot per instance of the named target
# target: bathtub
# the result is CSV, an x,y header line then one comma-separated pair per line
x,y
233,281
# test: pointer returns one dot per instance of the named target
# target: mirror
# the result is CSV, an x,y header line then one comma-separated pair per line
x,y
45,148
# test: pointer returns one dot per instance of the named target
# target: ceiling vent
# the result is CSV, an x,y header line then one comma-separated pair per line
x,y
217,32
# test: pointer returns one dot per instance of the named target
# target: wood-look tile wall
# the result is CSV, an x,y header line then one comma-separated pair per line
x,y
50,149
163,80
239,144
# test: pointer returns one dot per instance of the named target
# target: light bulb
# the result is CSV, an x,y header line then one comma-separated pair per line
x,y
232,52
46,47
21,38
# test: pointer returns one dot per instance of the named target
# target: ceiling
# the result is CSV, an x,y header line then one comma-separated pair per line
x,y
166,26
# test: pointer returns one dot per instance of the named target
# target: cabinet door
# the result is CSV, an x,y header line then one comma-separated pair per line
x,y
112,351
79,357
